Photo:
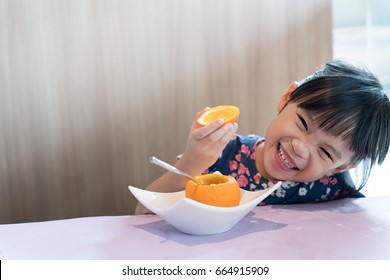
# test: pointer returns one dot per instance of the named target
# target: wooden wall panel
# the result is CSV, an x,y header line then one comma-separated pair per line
x,y
90,89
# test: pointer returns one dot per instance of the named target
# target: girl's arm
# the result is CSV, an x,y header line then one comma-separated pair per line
x,y
204,146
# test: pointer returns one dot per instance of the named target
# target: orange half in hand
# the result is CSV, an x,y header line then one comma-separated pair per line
x,y
215,189
228,113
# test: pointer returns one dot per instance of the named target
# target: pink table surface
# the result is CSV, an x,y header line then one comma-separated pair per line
x,y
345,229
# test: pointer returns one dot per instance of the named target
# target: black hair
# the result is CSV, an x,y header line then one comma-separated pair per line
x,y
348,101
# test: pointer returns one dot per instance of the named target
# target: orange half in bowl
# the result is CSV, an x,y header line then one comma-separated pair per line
x,y
215,189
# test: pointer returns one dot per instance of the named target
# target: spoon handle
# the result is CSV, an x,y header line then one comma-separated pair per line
x,y
171,168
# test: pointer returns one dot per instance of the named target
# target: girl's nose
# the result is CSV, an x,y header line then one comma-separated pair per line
x,y
301,148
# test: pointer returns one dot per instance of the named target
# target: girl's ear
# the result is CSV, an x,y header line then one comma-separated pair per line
x,y
286,96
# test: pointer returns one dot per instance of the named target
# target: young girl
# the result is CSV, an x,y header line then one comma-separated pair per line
x,y
328,123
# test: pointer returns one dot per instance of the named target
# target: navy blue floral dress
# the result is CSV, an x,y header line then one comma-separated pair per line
x,y
238,161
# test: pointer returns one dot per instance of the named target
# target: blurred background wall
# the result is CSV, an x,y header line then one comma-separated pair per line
x,y
89,89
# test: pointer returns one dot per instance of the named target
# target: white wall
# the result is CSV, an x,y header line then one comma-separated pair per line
x,y
361,31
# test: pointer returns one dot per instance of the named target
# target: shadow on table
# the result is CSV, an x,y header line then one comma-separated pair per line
x,y
339,206
246,226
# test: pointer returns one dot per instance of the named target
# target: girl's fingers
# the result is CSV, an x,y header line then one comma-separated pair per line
x,y
201,112
219,136
223,135
229,134
195,124
205,131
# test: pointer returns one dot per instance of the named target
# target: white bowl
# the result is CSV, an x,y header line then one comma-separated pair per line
x,y
192,217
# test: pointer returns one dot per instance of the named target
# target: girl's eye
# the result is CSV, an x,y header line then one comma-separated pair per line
x,y
326,153
303,122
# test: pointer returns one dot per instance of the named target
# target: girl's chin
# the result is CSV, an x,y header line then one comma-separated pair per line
x,y
283,176
276,174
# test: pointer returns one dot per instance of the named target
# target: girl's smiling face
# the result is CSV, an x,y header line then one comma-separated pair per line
x,y
295,149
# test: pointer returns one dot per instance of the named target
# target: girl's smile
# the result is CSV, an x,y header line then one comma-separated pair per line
x,y
285,160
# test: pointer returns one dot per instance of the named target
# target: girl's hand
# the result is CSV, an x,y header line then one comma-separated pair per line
x,y
205,145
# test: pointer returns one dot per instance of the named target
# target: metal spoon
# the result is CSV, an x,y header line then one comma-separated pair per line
x,y
171,168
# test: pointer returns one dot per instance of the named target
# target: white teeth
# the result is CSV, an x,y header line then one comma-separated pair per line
x,y
284,160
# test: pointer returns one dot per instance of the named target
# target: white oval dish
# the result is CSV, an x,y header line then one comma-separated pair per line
x,y
191,217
